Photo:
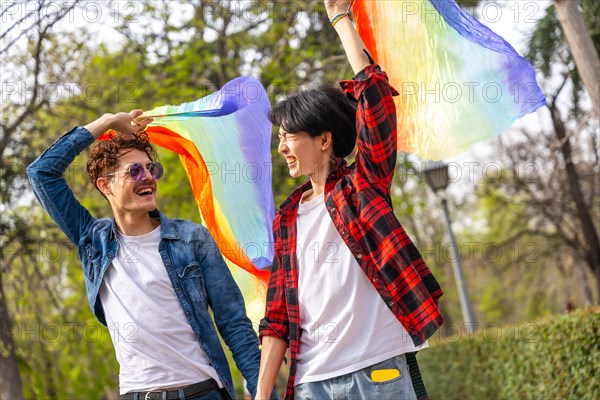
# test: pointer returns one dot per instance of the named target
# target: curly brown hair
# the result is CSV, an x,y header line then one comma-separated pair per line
x,y
104,156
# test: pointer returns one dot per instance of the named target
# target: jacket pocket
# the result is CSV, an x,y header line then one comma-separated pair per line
x,y
192,280
90,260
191,270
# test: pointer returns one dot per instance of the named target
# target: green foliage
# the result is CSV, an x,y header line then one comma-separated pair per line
x,y
511,257
591,15
548,48
546,44
557,358
52,326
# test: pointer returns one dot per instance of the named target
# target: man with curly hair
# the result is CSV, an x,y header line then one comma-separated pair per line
x,y
150,279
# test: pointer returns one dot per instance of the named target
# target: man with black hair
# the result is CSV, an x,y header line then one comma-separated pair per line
x,y
349,293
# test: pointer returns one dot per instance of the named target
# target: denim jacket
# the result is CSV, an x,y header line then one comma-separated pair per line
x,y
195,266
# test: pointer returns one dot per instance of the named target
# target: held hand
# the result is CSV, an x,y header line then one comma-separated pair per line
x,y
336,7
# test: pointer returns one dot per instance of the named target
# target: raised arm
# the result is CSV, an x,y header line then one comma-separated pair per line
x,y
337,11
376,111
46,172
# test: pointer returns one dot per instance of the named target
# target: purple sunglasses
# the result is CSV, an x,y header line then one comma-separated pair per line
x,y
137,171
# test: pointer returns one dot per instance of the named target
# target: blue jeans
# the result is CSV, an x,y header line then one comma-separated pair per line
x,y
358,385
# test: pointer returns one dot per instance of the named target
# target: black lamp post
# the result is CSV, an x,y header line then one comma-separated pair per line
x,y
436,176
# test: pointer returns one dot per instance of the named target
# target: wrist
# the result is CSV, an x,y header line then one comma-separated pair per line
x,y
261,396
335,10
106,121
101,125
337,18
333,14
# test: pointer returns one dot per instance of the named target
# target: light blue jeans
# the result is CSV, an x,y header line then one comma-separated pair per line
x,y
358,385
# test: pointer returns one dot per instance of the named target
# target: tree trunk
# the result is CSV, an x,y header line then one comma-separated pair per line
x,y
10,380
582,48
588,297
587,224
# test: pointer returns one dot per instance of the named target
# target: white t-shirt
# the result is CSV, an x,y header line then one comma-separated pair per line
x,y
154,342
345,325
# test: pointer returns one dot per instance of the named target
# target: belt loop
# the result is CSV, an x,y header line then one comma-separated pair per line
x,y
181,394
164,395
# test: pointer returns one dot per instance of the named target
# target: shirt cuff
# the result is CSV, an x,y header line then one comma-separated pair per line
x,y
371,74
80,137
267,329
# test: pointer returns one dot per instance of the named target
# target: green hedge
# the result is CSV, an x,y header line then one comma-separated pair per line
x,y
557,358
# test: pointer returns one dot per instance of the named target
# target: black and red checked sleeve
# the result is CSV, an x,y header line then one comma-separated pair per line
x,y
375,125
276,320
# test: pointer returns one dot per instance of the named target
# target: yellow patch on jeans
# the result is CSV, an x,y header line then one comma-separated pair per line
x,y
382,375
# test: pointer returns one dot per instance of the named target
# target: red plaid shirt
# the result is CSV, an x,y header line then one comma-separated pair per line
x,y
358,200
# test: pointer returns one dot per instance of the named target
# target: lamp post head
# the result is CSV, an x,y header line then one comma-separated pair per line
x,y
436,175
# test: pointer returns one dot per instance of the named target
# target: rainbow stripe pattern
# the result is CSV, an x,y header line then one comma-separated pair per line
x,y
459,82
224,142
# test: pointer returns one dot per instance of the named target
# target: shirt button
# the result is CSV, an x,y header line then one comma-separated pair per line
x,y
391,303
344,233
110,256
177,289
332,209
359,255
375,280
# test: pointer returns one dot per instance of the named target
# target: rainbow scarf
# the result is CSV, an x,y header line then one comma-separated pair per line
x,y
459,82
227,157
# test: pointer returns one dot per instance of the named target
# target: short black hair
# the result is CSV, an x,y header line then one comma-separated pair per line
x,y
316,111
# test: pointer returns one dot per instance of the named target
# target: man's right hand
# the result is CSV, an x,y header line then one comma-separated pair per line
x,y
335,7
122,122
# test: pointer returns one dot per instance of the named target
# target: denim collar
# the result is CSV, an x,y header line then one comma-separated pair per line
x,y
167,227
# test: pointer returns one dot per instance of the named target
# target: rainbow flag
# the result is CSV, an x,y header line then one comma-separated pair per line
x,y
224,142
459,82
